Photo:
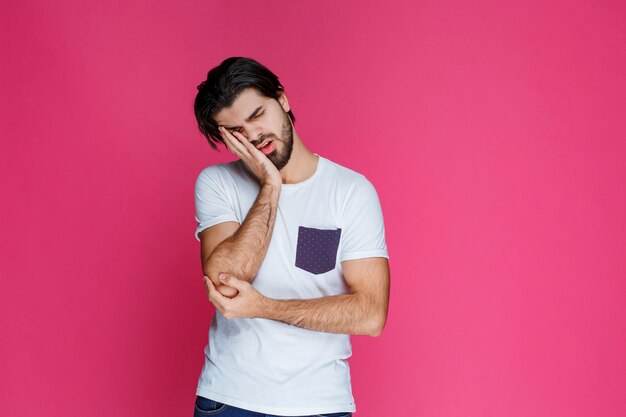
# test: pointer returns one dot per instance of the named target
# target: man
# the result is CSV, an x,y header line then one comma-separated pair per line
x,y
293,253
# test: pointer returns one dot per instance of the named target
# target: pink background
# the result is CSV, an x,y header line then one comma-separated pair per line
x,y
493,131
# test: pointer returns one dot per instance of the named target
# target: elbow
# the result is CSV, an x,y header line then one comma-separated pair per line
x,y
375,317
376,327
210,270
376,331
213,267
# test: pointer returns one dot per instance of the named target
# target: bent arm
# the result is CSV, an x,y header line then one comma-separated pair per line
x,y
348,314
362,312
242,253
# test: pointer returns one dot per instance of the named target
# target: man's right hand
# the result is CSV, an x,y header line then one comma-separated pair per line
x,y
263,168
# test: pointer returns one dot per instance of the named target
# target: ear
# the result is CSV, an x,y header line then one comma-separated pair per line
x,y
282,99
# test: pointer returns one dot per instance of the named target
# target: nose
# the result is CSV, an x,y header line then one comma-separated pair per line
x,y
253,133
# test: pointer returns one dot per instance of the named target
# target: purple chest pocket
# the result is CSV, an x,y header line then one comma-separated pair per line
x,y
317,249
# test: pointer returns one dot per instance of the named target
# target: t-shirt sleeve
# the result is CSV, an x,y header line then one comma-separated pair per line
x,y
213,204
363,233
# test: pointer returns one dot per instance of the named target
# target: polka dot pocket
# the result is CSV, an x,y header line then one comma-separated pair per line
x,y
317,249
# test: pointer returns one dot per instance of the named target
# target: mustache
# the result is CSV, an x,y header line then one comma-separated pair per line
x,y
260,141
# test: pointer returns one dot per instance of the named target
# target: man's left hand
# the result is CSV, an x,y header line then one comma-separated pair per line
x,y
248,303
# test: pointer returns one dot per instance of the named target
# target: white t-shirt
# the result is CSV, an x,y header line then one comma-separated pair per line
x,y
269,366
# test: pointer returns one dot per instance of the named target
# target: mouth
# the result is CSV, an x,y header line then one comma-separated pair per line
x,y
267,147
265,143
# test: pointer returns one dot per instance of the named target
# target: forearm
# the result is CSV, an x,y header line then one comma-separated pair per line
x,y
242,253
348,314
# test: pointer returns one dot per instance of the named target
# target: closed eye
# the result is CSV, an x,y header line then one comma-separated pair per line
x,y
239,128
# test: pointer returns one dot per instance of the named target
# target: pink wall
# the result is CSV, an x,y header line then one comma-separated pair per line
x,y
493,131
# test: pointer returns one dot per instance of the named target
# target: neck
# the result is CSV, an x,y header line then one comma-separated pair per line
x,y
301,165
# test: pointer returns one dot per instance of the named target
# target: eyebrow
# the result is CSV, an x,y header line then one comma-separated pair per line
x,y
254,113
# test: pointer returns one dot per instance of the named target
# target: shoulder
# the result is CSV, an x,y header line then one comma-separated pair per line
x,y
224,173
219,179
348,180
217,170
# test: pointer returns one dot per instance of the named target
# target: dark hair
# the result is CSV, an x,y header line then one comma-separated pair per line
x,y
222,86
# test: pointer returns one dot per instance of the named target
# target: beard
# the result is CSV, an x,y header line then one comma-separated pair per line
x,y
281,158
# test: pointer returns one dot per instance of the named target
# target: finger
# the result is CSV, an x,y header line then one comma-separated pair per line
x,y
255,155
252,150
247,145
214,294
211,290
208,285
228,140
232,281
245,142
235,144
228,291
229,146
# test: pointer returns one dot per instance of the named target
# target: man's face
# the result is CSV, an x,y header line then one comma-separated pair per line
x,y
259,118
